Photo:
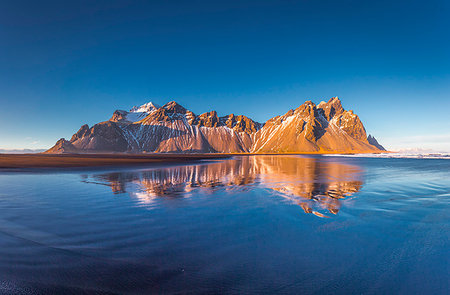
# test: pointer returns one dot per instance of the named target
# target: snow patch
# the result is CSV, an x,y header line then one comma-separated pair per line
x,y
136,116
138,113
145,108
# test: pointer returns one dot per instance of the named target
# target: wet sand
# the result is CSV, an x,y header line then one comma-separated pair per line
x,y
97,160
102,160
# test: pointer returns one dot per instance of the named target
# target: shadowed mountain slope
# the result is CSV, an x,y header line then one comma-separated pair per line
x,y
326,127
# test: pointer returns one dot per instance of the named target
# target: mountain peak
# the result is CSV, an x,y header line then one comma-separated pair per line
x,y
308,108
174,107
145,108
62,146
373,141
172,128
334,99
331,108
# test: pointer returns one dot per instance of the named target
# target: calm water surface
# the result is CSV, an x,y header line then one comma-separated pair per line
x,y
261,224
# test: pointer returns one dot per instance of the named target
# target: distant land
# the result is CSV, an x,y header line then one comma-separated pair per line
x,y
310,128
21,151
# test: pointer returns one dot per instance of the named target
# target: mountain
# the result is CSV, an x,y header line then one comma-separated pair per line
x,y
325,127
372,140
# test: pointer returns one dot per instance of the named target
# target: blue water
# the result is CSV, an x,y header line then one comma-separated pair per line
x,y
260,224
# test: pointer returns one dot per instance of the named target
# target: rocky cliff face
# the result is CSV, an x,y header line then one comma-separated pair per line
x,y
326,127
372,140
173,128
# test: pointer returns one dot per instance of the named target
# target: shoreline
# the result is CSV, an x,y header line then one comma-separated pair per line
x,y
43,160
20,161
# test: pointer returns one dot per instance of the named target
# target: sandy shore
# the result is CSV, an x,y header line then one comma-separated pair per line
x,y
97,160
101,160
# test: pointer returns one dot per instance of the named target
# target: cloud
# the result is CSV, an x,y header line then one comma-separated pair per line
x,y
435,142
31,141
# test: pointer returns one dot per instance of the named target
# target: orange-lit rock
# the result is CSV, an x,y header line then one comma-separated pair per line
x,y
326,127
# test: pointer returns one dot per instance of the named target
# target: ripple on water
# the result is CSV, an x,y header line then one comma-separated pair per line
x,y
244,224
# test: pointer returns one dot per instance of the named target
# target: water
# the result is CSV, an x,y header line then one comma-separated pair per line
x,y
260,224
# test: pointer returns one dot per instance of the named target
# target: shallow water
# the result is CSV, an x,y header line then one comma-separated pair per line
x,y
259,224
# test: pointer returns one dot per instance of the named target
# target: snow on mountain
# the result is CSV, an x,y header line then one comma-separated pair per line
x,y
136,116
172,128
145,108
138,113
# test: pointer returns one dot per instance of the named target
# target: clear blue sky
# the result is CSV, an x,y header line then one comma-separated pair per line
x,y
66,63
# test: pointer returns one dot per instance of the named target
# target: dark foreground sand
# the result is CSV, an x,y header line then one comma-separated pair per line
x,y
97,160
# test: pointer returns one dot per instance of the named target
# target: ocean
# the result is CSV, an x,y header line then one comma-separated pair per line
x,y
250,224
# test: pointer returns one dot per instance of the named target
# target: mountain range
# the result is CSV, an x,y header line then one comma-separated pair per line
x,y
326,127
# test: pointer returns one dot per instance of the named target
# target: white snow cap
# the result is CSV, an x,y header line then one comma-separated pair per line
x,y
138,113
145,108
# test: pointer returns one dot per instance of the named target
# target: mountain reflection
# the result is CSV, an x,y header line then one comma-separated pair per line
x,y
318,185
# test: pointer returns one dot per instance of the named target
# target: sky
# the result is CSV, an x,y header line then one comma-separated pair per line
x,y
67,63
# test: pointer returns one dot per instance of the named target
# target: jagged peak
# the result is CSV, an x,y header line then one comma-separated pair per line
x,y
145,108
62,146
173,106
241,123
289,113
373,141
208,119
210,113
80,133
119,115
334,99
307,108
309,103
331,108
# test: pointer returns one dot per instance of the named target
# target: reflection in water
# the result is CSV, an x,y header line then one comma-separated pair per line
x,y
318,185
